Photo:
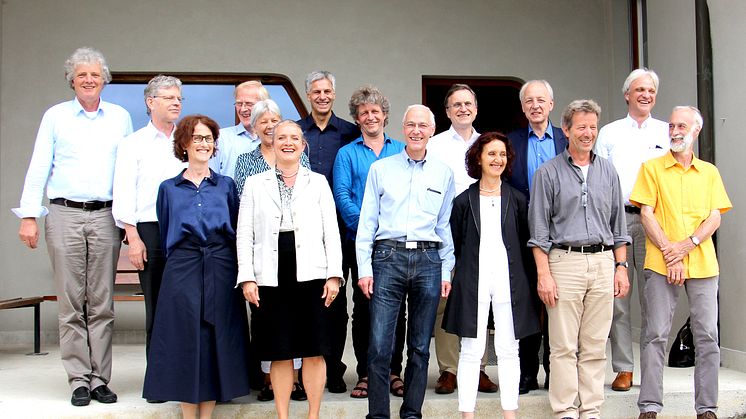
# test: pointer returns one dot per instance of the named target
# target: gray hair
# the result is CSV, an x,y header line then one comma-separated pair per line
x,y
697,114
636,74
369,95
579,106
320,75
263,93
288,122
418,106
522,92
159,82
86,55
262,107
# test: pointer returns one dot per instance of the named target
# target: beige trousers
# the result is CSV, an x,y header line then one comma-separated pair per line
x,y
448,346
579,326
84,247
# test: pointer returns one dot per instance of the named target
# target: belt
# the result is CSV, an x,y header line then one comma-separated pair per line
x,y
409,245
588,248
87,206
631,209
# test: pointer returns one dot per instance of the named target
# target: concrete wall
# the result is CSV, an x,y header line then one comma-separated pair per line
x,y
387,43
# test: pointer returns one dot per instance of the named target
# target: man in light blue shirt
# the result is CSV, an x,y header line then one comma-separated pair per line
x,y
404,249
74,158
241,137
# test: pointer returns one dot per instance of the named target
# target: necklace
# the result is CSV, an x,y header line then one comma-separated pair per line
x,y
288,176
481,189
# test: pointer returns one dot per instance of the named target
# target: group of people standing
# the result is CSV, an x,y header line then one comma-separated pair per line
x,y
449,233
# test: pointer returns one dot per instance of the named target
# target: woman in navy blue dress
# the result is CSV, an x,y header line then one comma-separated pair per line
x,y
198,348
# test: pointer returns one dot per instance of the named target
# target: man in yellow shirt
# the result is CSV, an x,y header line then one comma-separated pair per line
x,y
681,200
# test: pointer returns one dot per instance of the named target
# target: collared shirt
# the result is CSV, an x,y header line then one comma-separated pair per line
x,y
406,200
681,199
323,145
627,145
450,148
144,160
253,163
569,209
539,150
74,155
232,142
350,173
186,211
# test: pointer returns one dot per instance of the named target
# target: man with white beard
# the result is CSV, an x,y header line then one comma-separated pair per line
x,y
681,199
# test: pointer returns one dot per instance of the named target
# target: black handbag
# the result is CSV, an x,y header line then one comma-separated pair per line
x,y
682,350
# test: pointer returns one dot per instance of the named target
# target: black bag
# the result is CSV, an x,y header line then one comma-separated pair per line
x,y
682,350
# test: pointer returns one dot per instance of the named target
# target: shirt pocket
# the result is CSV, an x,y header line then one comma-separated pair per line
x,y
431,200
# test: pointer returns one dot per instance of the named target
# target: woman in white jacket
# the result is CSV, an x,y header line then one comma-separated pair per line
x,y
290,266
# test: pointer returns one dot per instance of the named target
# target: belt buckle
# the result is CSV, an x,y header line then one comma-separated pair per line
x,y
582,249
410,245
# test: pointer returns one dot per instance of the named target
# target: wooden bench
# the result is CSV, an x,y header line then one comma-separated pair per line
x,y
34,302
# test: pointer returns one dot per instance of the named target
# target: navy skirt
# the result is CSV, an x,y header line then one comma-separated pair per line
x,y
291,320
198,351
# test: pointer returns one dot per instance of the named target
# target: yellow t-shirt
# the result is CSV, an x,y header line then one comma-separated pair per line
x,y
681,200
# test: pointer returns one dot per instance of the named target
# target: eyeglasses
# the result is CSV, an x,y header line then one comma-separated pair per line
x,y
171,98
411,125
196,139
459,105
240,105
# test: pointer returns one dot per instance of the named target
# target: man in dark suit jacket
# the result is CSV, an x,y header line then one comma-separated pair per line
x,y
534,145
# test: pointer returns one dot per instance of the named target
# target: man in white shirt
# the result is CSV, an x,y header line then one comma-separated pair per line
x,y
628,143
241,137
74,159
144,160
450,147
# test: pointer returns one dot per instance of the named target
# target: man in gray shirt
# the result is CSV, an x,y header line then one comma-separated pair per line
x,y
578,235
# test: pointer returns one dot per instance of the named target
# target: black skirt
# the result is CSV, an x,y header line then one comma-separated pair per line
x,y
291,320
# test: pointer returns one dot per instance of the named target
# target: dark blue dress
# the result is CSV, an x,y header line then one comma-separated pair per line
x,y
198,349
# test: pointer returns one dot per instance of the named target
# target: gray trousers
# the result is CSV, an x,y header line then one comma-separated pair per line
x,y
622,356
84,247
703,307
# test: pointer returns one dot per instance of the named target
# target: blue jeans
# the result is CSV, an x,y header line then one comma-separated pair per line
x,y
400,273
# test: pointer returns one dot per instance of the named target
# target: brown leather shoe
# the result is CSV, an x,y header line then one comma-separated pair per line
x,y
648,415
622,382
707,415
446,383
485,384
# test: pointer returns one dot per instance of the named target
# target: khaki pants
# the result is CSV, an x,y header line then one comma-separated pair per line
x,y
578,329
84,247
448,346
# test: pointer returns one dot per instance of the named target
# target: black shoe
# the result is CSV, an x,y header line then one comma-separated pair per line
x,y
155,401
103,394
266,394
299,393
81,397
336,385
527,384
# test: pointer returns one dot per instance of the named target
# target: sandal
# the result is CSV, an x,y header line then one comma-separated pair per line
x,y
362,391
397,391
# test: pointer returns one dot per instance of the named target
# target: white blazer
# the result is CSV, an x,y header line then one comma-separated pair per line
x,y
318,249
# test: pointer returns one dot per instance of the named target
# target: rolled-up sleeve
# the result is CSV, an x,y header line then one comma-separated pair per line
x,y
540,210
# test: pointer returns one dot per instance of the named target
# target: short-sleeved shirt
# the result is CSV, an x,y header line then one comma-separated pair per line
x,y
681,199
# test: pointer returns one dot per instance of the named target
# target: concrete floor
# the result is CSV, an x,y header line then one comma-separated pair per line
x,y
36,387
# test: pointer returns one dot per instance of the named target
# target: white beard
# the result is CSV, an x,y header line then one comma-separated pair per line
x,y
680,146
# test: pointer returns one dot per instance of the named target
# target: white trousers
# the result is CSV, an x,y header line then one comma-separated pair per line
x,y
506,349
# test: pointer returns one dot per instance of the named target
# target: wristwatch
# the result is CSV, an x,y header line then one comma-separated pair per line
x,y
618,264
694,240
